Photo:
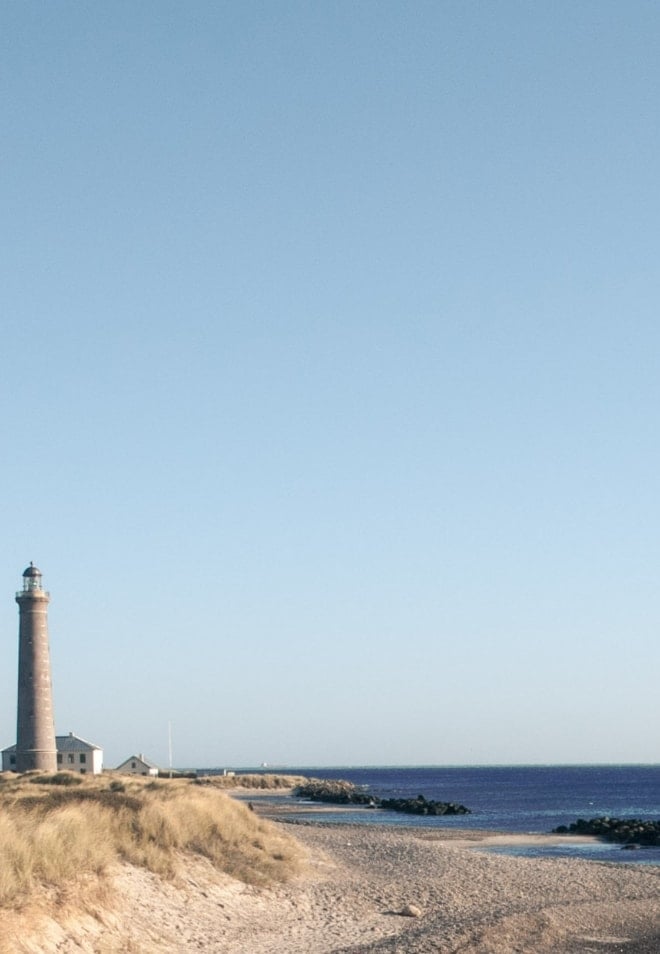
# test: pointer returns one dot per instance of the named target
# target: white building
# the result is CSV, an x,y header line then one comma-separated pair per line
x,y
73,755
137,765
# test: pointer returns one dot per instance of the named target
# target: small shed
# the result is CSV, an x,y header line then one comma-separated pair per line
x,y
137,765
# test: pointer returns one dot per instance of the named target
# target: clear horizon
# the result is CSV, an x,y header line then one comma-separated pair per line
x,y
330,379
281,769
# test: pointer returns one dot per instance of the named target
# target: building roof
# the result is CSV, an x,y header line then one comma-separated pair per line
x,y
139,758
73,743
65,743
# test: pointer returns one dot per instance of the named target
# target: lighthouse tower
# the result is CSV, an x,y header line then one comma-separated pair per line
x,y
35,730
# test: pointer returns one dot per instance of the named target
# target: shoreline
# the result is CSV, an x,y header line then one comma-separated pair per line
x,y
379,889
470,901
266,804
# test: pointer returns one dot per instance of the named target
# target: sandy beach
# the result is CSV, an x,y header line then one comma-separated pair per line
x,y
375,889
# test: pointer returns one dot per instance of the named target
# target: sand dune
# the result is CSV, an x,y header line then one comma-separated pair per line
x,y
351,898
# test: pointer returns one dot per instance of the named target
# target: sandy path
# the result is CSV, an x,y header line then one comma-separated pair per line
x,y
350,899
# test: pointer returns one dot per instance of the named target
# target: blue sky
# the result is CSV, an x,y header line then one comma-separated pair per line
x,y
330,376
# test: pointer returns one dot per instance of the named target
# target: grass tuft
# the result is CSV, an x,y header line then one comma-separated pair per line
x,y
60,778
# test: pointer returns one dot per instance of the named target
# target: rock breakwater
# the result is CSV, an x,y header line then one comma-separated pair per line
x,y
345,793
627,831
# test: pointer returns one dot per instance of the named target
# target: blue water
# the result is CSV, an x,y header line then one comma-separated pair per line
x,y
520,799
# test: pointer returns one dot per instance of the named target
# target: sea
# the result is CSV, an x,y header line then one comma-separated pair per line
x,y
505,798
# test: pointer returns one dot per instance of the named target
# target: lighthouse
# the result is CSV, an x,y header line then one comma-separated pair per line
x,y
35,728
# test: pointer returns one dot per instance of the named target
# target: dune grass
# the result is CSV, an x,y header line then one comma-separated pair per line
x,y
266,781
55,830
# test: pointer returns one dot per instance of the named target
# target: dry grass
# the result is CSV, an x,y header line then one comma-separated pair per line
x,y
55,834
266,781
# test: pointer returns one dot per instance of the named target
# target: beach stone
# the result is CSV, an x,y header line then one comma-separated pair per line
x,y
411,911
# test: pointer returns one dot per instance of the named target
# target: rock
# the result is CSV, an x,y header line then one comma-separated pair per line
x,y
420,806
340,792
411,911
628,831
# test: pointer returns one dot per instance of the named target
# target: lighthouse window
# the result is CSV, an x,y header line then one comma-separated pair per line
x,y
70,759
83,758
59,758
